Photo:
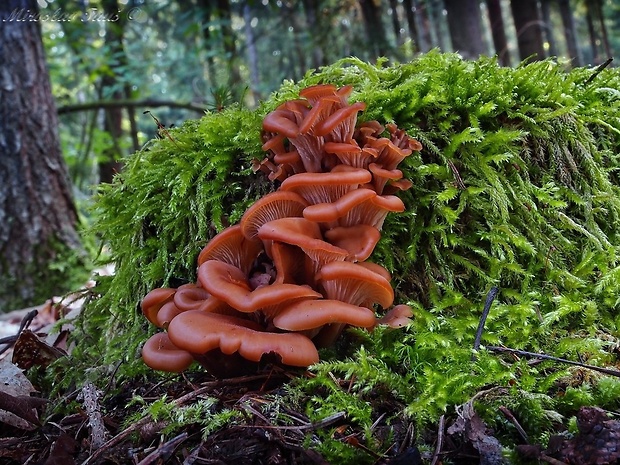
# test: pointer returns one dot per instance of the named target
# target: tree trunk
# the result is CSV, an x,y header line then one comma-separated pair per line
x,y
251,52
396,22
410,14
498,31
313,29
465,27
529,31
435,12
569,32
592,33
375,31
426,37
37,215
598,8
545,9
113,117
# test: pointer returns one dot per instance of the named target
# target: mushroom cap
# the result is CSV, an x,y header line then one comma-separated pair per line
x,y
327,212
311,314
304,234
160,353
279,204
227,283
154,300
381,176
198,332
350,153
231,246
397,317
340,123
359,240
318,188
371,210
355,284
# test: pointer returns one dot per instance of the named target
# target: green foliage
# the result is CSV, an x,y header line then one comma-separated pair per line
x,y
516,187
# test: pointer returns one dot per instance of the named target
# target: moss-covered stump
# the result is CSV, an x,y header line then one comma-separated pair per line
x,y
516,188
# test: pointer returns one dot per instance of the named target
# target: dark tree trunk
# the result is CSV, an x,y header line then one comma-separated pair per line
x,y
113,117
375,31
529,31
465,27
545,8
230,47
251,52
426,42
592,32
410,14
396,22
598,9
313,29
498,31
569,32
37,215
435,12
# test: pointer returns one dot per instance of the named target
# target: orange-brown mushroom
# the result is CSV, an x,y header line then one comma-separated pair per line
x,y
160,353
231,246
304,234
359,240
227,283
198,332
355,284
279,204
312,314
154,301
318,188
397,317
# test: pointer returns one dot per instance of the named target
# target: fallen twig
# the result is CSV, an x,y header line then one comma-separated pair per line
x,y
483,318
439,446
508,414
525,353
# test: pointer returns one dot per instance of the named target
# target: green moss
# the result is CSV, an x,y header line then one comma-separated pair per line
x,y
516,187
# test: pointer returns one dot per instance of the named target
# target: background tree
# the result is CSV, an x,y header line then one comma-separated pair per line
x,y
528,24
38,217
465,28
498,31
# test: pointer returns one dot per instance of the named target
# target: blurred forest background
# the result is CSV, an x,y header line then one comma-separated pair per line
x,y
181,58
122,70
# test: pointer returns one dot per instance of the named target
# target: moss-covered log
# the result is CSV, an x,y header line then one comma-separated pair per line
x,y
517,187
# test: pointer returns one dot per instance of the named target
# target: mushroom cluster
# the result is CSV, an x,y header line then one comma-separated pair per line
x,y
293,273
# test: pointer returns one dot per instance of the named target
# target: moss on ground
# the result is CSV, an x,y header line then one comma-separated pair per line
x,y
517,187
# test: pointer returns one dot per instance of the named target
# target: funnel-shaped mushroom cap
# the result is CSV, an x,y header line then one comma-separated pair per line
x,y
397,317
314,93
227,283
402,140
276,205
160,353
350,153
304,234
355,284
154,301
190,297
340,125
325,187
332,211
199,332
359,240
311,314
371,210
389,154
285,119
381,176
231,246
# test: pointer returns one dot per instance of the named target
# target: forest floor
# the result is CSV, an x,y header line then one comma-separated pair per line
x,y
108,429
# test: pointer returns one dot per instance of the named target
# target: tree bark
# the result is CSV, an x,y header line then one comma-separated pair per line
x,y
37,216
375,31
410,14
529,31
545,9
570,34
465,27
498,31
113,116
